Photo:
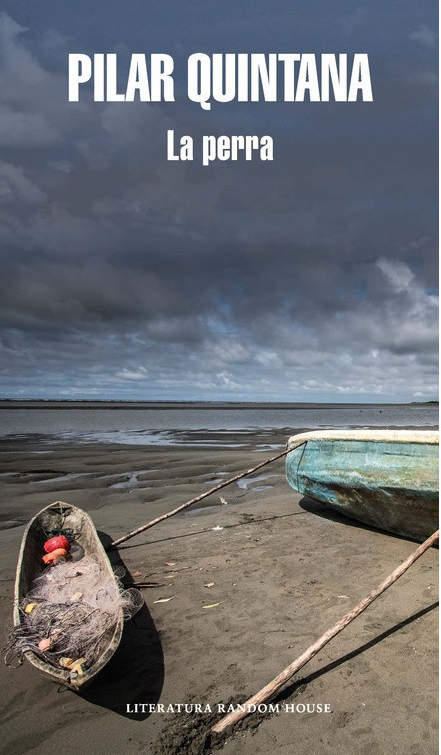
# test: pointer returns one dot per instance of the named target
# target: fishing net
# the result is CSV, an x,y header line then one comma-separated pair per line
x,y
74,608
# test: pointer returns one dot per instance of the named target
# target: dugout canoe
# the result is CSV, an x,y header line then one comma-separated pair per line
x,y
388,479
63,517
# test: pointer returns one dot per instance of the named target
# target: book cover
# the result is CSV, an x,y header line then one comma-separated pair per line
x,y
219,229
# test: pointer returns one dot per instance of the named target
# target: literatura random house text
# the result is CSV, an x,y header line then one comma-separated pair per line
x,y
246,708
222,78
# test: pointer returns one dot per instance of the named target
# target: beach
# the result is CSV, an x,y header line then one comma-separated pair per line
x,y
240,586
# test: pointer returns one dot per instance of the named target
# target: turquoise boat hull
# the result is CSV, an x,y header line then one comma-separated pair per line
x,y
386,479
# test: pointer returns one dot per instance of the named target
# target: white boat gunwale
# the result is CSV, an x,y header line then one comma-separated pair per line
x,y
381,436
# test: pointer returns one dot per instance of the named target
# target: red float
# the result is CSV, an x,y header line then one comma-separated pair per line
x,y
60,541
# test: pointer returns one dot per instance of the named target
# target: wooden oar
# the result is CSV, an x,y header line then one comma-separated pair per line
x,y
275,685
195,500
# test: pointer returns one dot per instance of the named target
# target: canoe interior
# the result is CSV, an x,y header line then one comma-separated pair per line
x,y
390,485
30,565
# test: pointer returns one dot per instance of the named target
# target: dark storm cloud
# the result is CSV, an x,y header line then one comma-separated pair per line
x,y
310,277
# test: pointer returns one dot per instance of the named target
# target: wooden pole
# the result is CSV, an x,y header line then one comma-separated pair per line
x,y
195,500
275,685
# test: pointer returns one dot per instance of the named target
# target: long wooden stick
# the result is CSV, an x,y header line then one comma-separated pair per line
x,y
274,686
195,500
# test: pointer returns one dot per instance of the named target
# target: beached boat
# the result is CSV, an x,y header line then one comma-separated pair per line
x,y
56,518
384,478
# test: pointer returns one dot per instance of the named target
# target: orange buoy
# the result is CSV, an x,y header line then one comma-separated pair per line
x,y
55,556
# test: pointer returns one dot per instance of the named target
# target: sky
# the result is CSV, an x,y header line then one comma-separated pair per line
x,y
312,277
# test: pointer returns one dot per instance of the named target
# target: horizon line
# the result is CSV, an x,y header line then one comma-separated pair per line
x,y
204,401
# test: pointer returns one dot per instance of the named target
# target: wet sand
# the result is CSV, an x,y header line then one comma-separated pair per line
x,y
278,570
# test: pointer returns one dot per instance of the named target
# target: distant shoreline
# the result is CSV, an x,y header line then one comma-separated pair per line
x,y
177,405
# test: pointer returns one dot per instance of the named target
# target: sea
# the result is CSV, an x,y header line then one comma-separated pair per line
x,y
204,424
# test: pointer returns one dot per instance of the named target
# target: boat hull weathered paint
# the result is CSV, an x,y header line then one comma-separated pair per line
x,y
30,566
386,479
